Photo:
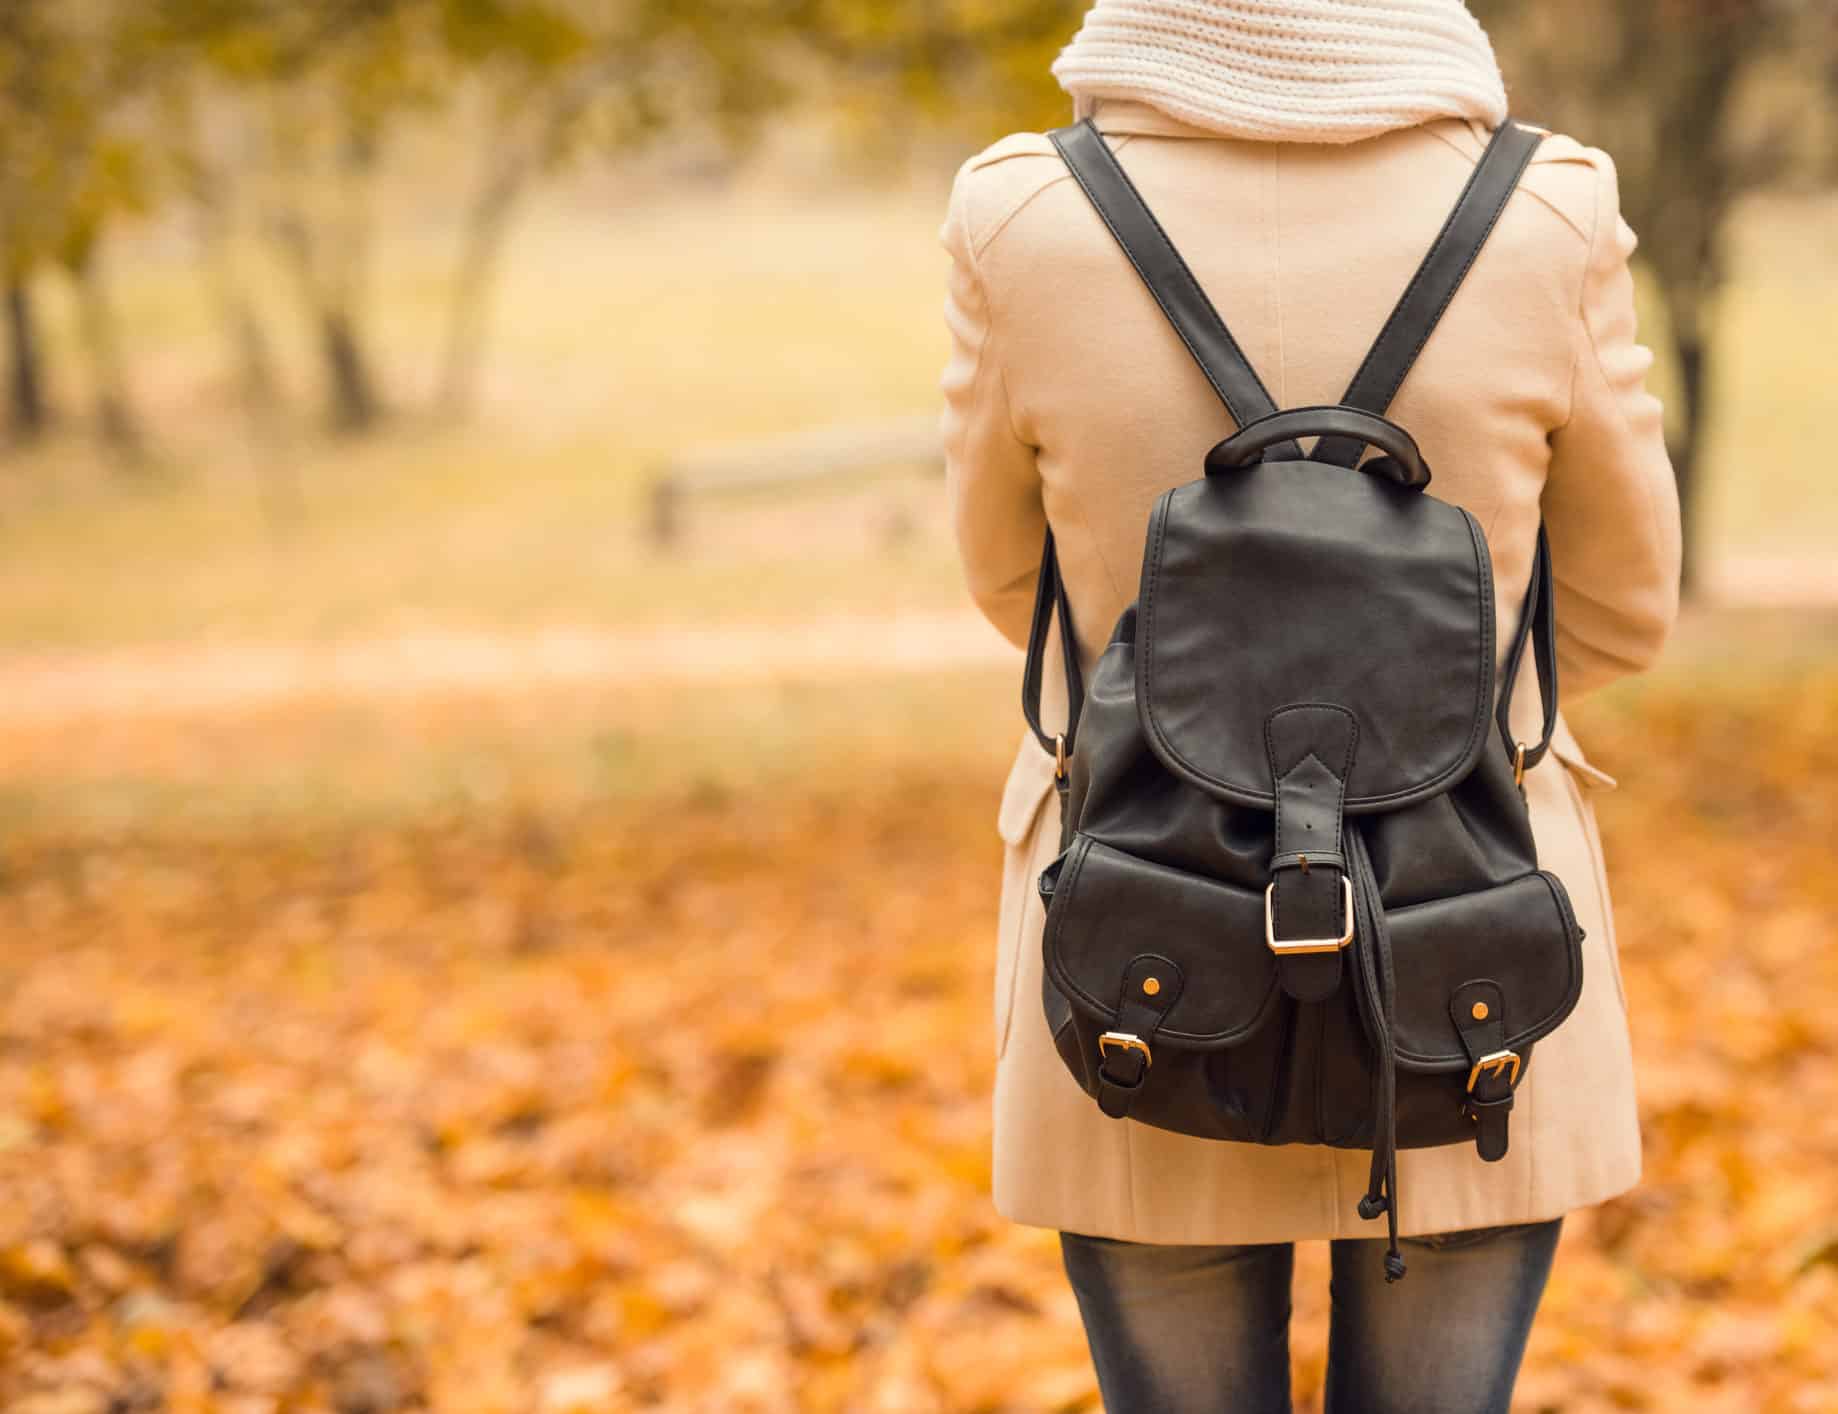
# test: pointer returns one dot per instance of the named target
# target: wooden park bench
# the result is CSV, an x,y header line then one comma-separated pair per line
x,y
787,463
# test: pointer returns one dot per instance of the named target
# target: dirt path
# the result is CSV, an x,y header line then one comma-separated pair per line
x,y
209,679
206,679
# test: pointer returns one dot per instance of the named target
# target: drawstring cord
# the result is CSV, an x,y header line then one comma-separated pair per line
x,y
1372,948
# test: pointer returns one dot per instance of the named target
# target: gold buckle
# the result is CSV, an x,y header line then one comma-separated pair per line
x,y
1494,1063
1059,758
1518,763
1124,1041
1307,945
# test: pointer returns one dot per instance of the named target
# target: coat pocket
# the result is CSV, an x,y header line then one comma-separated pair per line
x,y
1581,780
1030,783
1588,775
1566,748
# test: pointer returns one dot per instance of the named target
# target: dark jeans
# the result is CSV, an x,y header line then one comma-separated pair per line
x,y
1180,1330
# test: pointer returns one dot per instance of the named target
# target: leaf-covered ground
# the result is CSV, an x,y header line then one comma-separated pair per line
x,y
683,1105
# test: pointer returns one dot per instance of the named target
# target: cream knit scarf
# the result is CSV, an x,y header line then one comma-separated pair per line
x,y
1287,70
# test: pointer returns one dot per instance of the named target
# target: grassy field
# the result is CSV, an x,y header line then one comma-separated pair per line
x,y
624,334
629,329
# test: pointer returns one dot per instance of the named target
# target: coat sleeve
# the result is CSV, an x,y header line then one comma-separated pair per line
x,y
1611,501
991,480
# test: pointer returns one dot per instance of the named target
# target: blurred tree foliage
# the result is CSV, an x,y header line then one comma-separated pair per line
x,y
979,68
70,77
271,121
558,78
274,118
327,87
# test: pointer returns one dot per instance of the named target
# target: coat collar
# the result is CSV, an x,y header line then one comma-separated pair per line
x,y
1122,117
1125,115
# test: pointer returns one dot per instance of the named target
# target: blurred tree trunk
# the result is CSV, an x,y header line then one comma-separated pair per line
x,y
252,357
481,254
28,412
115,417
355,405
332,267
508,176
1691,351
352,401
251,352
355,401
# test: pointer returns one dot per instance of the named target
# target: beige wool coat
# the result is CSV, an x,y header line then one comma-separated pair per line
x,y
1070,400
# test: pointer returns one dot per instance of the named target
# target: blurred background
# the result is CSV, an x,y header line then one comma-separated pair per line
x,y
498,775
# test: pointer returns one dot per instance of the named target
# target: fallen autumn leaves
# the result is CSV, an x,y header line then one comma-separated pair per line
x,y
684,1107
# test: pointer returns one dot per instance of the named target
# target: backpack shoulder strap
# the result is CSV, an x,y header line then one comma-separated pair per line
x,y
1477,211
1109,189
1538,631
1134,227
1050,600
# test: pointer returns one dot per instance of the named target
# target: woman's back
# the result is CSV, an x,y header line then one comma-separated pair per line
x,y
1302,156
1070,398
1069,388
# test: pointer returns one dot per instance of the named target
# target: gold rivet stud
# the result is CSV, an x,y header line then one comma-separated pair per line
x,y
1480,1011
1151,985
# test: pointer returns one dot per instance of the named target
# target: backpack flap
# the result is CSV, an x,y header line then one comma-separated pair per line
x,y
1291,582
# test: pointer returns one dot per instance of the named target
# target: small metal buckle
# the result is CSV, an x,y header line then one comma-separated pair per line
x,y
1518,763
1059,758
1124,1041
1494,1063
1307,945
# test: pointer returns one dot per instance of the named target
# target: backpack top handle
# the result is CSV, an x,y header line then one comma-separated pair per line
x,y
1403,460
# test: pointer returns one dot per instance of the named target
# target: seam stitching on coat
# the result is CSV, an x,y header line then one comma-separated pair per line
x,y
986,358
1073,500
1071,497
986,349
1582,309
1543,158
1001,224
1276,275
1030,846
1595,350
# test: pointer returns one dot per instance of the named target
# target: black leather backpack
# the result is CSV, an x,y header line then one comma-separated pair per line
x,y
1297,899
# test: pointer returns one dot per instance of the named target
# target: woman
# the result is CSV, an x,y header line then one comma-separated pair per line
x,y
1302,155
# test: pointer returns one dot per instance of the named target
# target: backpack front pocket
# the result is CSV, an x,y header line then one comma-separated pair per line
x,y
1170,985
1521,937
